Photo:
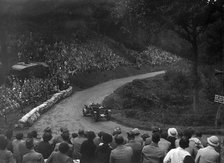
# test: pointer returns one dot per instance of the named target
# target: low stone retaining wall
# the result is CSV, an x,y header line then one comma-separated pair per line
x,y
32,116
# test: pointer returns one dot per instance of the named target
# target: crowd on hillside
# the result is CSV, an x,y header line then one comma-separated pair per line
x,y
168,146
65,59
14,96
156,56
65,56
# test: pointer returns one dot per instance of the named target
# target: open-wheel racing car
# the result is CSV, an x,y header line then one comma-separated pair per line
x,y
96,111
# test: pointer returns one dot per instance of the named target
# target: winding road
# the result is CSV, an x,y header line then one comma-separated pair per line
x,y
68,113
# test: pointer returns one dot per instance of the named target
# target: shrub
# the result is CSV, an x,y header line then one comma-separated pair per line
x,y
178,80
130,113
157,56
211,84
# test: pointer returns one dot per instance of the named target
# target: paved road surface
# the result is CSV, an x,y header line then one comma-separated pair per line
x,y
68,113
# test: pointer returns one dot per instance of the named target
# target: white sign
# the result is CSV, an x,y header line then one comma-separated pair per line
x,y
219,99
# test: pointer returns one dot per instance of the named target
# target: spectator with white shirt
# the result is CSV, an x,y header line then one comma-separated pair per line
x,y
178,154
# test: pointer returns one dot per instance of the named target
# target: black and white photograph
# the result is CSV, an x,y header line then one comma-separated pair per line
x,y
111,81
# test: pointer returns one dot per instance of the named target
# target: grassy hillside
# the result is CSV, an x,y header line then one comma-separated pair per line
x,y
163,101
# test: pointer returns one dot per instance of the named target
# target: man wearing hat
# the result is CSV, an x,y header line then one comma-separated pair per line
x,y
136,147
209,154
172,136
138,137
116,132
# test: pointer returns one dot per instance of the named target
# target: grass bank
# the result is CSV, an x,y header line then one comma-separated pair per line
x,y
147,103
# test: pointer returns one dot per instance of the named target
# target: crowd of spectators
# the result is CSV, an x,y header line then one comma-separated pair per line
x,y
75,56
64,58
31,91
156,56
87,147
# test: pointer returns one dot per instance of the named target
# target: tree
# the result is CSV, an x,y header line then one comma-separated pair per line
x,y
187,18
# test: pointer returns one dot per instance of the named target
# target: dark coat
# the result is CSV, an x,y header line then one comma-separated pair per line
x,y
45,148
88,149
103,153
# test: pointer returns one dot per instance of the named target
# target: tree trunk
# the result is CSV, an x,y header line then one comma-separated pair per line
x,y
195,77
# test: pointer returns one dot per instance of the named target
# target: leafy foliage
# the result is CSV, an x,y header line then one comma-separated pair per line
x,y
178,81
167,99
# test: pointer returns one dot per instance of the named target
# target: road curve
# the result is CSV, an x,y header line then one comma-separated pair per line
x,y
68,113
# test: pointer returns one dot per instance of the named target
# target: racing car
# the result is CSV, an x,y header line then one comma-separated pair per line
x,y
96,111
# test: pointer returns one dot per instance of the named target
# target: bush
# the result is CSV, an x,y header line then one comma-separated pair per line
x,y
178,80
211,83
130,113
157,56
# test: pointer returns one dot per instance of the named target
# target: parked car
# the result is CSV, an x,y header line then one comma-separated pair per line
x,y
97,112
27,70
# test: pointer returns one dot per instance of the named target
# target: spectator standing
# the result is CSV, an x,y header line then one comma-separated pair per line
x,y
44,147
15,143
22,146
103,150
74,135
88,149
116,132
77,142
61,155
146,139
59,139
191,149
5,155
152,153
136,147
35,139
138,137
178,154
32,156
48,130
172,136
163,143
9,134
98,140
177,141
66,139
209,154
196,140
195,144
122,153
